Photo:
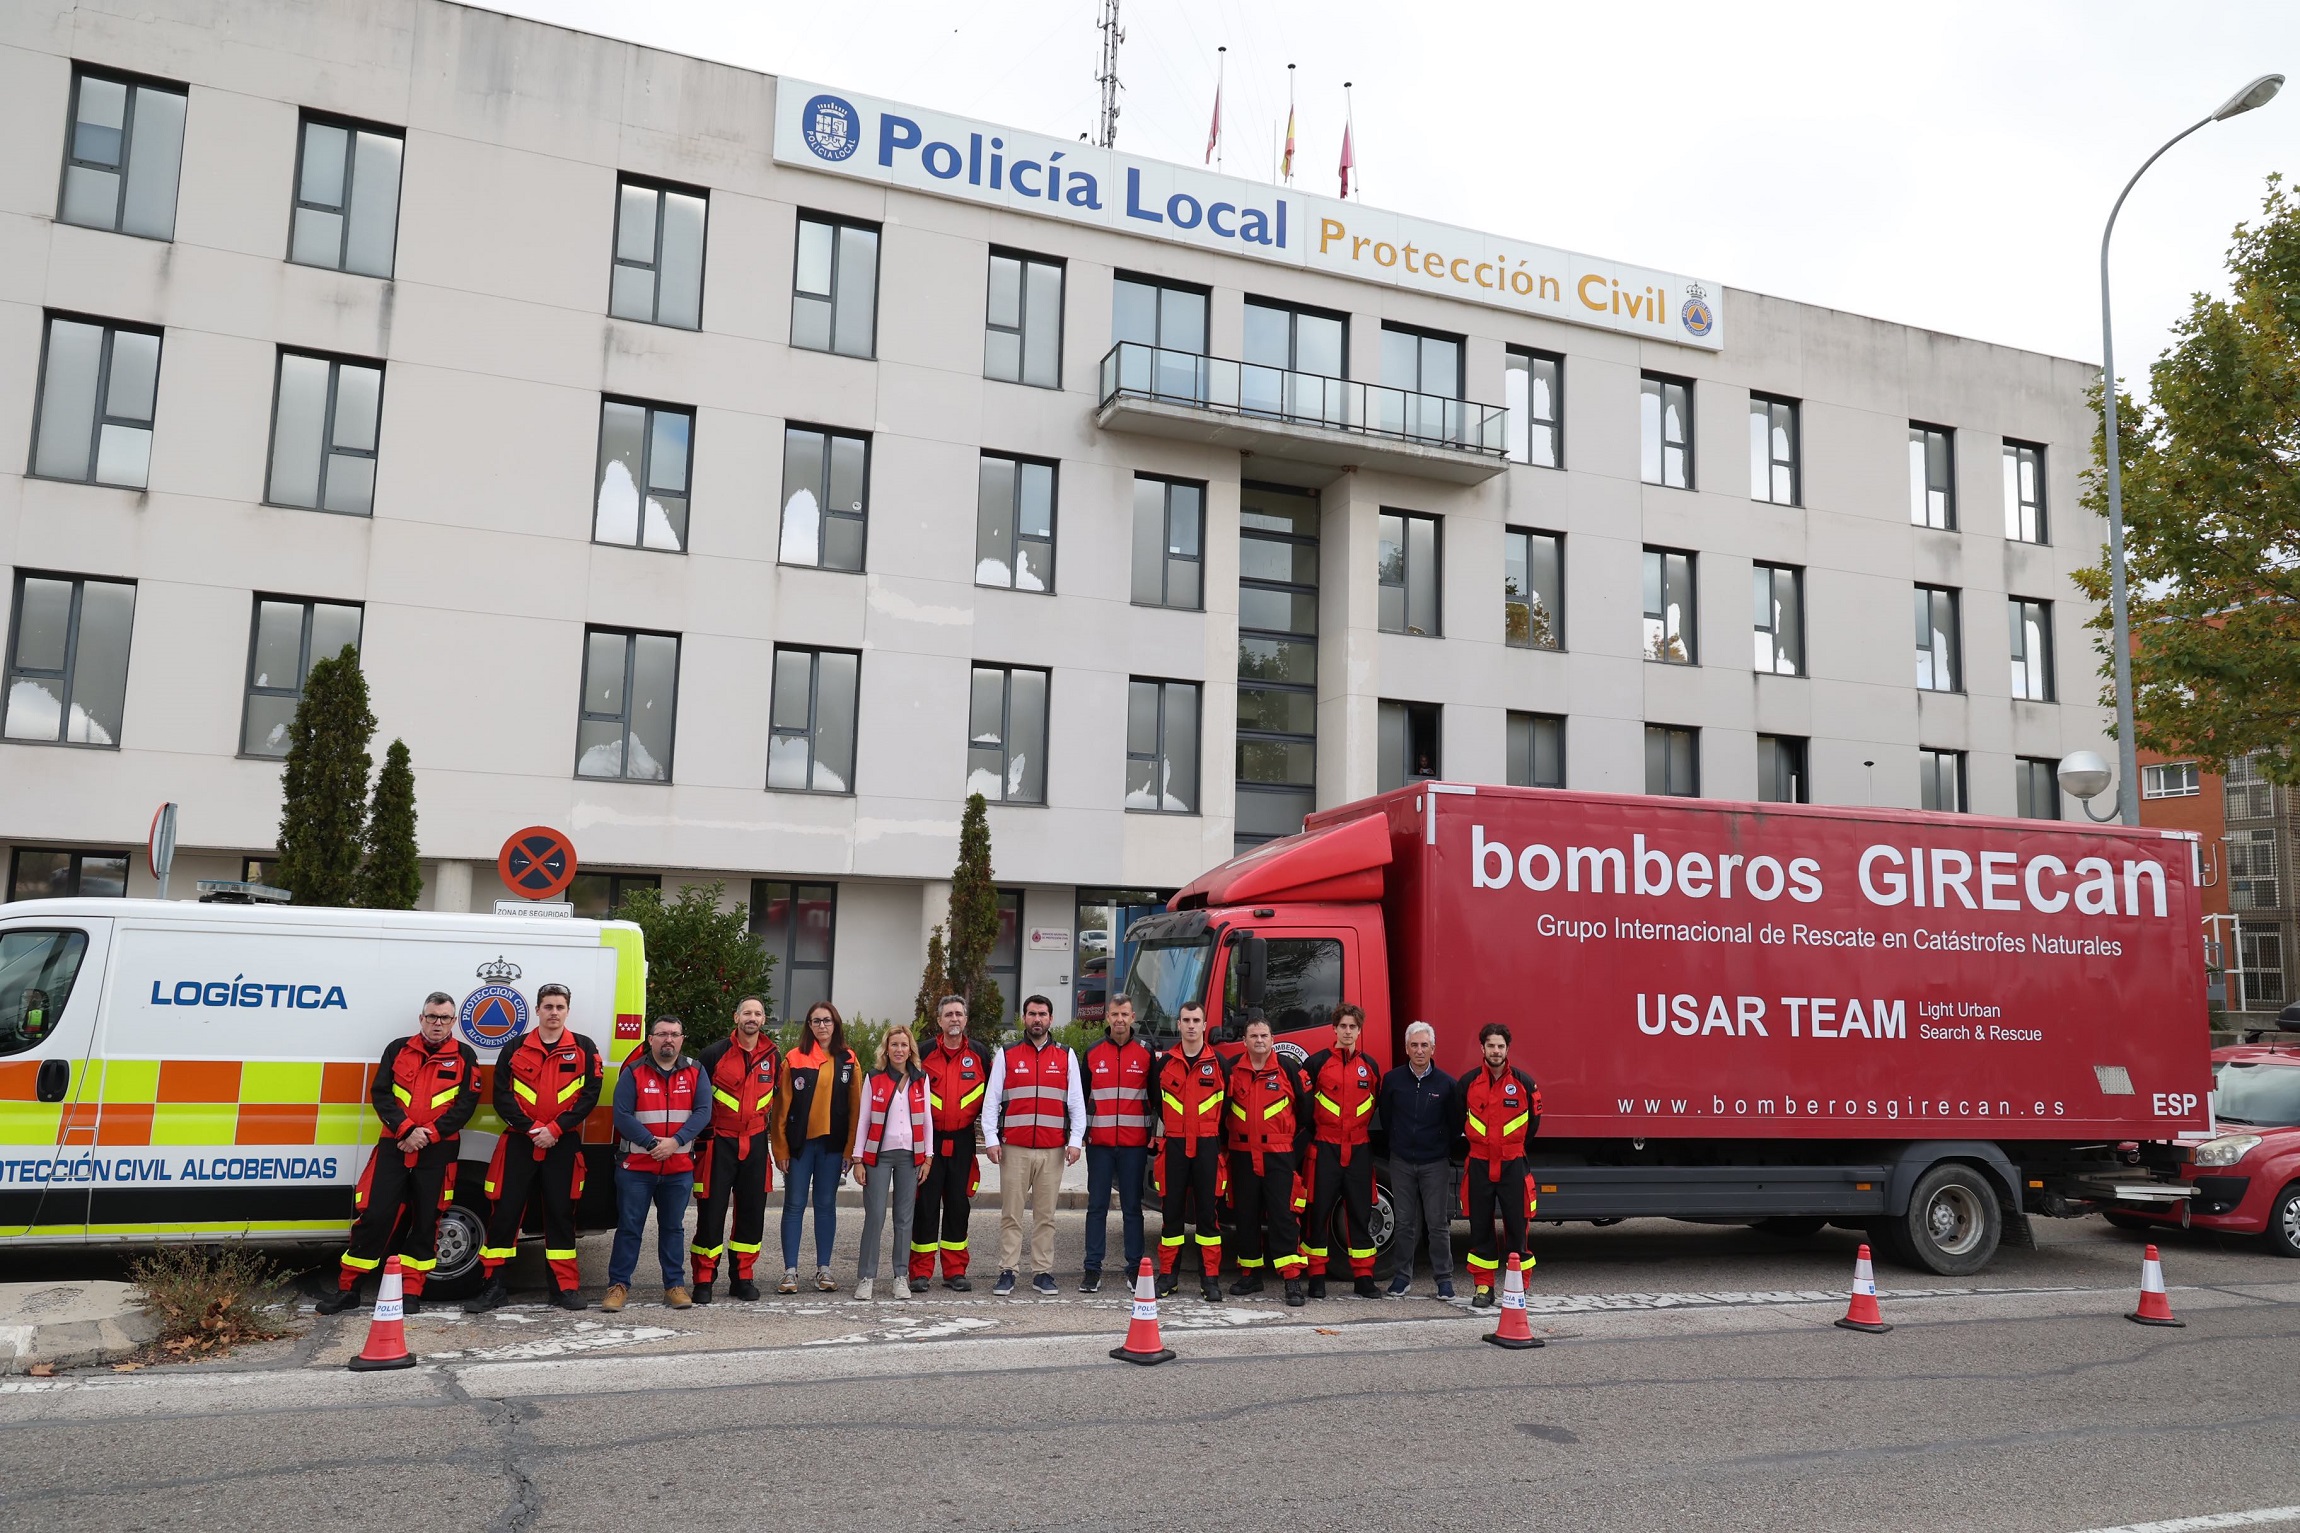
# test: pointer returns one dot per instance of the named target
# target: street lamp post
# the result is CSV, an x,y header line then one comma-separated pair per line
x,y
2258,93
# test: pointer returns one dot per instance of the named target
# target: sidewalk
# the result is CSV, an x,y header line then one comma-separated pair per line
x,y
69,1324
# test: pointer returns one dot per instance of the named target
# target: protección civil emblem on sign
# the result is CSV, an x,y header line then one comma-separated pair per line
x,y
495,1013
1697,315
832,127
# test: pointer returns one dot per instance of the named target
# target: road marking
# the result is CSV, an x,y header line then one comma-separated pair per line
x,y
591,1339
2207,1521
1592,1303
923,1330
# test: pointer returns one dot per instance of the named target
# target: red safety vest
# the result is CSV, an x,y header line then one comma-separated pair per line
x,y
1118,1093
955,1082
1192,1092
741,1087
878,1098
426,1084
1035,1095
1262,1108
546,1080
665,1101
1342,1097
1499,1116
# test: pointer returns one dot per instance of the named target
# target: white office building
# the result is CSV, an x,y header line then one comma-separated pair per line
x,y
734,473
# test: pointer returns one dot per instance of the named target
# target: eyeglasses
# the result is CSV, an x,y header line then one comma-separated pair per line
x,y
439,1016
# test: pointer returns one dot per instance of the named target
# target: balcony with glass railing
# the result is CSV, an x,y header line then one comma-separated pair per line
x,y
1305,418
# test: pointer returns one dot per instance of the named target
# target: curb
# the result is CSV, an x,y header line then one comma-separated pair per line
x,y
77,1343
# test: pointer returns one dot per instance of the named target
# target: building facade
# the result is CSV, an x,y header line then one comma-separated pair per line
x,y
738,516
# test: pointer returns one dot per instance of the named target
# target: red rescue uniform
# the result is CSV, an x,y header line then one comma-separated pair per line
x,y
1269,1122
734,1165
554,1085
1118,1092
1341,1170
957,1081
1192,1089
416,1086
1498,1112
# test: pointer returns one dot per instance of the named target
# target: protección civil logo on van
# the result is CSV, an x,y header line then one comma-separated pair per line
x,y
495,1013
833,128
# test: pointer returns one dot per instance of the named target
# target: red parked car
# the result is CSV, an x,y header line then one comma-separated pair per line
x,y
2248,1178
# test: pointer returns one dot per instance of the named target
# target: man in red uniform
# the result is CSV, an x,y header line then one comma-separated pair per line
x,y
1499,1107
733,1164
957,1077
545,1086
1118,1070
1191,1079
662,1106
1342,1083
426,1088
1269,1123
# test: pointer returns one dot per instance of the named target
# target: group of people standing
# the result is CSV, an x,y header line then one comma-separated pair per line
x,y
1255,1157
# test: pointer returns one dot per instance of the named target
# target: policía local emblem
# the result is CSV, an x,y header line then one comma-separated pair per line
x,y
1699,318
495,1013
832,127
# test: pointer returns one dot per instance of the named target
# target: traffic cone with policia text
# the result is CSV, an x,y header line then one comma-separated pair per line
x,y
387,1332
1142,1343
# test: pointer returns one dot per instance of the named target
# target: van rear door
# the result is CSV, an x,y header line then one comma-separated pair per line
x,y
51,986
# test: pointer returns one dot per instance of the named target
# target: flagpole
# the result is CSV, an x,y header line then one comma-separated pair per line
x,y
1287,164
1221,61
1349,143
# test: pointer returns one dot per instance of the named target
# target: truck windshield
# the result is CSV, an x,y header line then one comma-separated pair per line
x,y
1167,976
2257,1095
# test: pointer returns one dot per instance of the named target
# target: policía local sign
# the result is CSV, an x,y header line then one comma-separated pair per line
x,y
843,134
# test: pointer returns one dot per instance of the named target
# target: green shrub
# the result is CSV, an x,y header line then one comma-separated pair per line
x,y
209,1299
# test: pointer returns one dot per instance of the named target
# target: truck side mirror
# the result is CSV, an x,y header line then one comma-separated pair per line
x,y
1253,968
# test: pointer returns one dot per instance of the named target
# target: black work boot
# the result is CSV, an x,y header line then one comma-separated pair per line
x,y
1294,1293
742,1288
1165,1285
568,1298
339,1301
493,1296
1250,1283
700,1293
1211,1288
411,1304
1365,1288
1317,1287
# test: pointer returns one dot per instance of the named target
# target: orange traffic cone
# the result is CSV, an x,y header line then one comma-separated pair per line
x,y
1515,1331
387,1332
1142,1344
1861,1314
2155,1308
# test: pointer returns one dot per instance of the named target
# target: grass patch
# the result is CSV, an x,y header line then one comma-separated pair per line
x,y
209,1299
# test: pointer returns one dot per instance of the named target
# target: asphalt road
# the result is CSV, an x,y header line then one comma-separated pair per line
x,y
1691,1379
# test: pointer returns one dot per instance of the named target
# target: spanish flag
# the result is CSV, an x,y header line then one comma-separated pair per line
x,y
1349,160
1286,166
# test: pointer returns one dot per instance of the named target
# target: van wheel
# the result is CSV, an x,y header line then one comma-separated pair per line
x,y
1953,1223
2283,1230
461,1234
1790,1229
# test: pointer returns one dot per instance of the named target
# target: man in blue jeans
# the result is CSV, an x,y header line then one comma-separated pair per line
x,y
662,1105
1118,1073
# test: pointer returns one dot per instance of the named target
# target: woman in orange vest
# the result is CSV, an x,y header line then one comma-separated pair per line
x,y
892,1142
816,1104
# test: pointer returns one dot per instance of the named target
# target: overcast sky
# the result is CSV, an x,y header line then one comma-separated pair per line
x,y
1952,169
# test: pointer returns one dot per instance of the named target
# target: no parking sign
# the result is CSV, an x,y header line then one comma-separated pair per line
x,y
537,863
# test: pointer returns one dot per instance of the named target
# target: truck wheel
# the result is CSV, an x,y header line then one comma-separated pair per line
x,y
2284,1222
1382,1227
1790,1229
461,1234
1953,1222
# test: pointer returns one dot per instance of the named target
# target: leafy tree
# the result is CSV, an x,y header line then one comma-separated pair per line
x,y
2212,516
933,981
392,877
324,788
973,927
701,959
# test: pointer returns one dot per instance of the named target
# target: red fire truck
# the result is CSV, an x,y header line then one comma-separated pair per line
x,y
1928,1027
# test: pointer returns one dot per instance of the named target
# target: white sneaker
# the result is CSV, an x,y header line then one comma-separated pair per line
x,y
862,1289
902,1287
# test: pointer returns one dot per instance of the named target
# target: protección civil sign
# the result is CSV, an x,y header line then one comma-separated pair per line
x,y
537,863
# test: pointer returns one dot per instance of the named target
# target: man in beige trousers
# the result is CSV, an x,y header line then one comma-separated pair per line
x,y
1033,1125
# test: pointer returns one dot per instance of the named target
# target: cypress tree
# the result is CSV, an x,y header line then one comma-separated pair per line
x,y
933,983
392,878
974,922
323,807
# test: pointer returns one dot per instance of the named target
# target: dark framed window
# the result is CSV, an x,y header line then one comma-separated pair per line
x,y
1778,592
596,896
1006,734
1932,477
1169,543
1408,743
1781,770
1409,571
285,636
2036,783
1533,588
325,416
834,286
1168,315
646,453
1014,524
346,196
1671,616
2024,493
1672,761
1277,661
812,746
122,154
1536,750
826,498
59,873
1941,781
1773,450
630,705
1022,330
2031,623
1665,431
1295,359
658,268
1162,746
1005,964
1940,665
68,660
1533,388
1421,361
99,383
798,925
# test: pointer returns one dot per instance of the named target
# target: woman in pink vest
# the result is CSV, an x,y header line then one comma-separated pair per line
x,y
894,1135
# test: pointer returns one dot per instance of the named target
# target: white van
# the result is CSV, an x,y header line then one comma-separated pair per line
x,y
194,1072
